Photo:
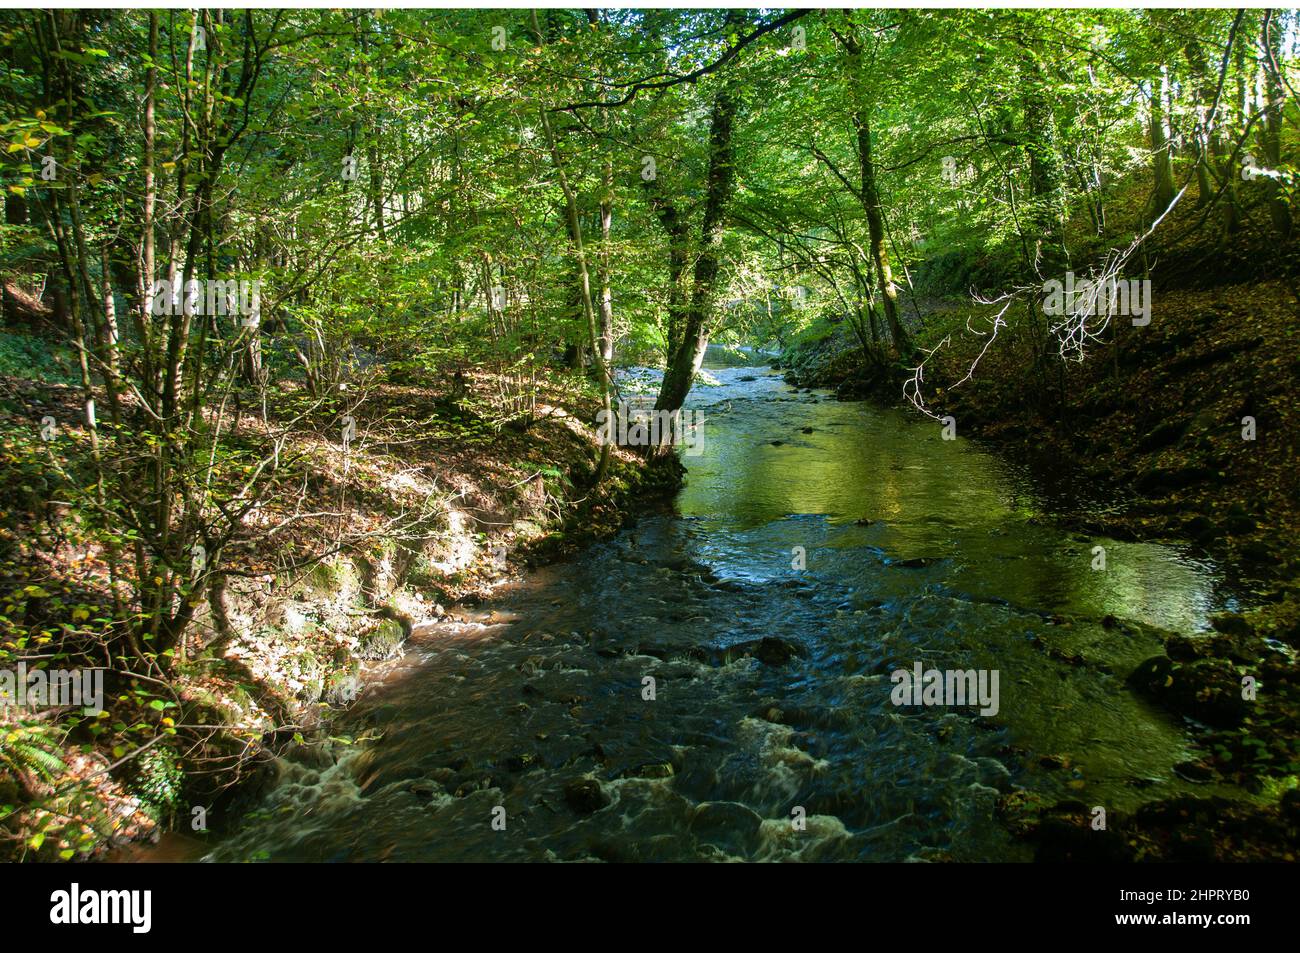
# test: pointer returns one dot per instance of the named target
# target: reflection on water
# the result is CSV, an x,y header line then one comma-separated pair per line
x,y
913,548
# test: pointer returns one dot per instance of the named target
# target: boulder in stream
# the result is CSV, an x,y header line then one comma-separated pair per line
x,y
585,796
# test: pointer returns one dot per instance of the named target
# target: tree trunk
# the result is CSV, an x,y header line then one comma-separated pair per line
x,y
1271,45
1162,164
1207,136
869,196
879,250
584,274
687,354
605,300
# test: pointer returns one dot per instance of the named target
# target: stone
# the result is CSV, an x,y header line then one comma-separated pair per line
x,y
585,796
383,642
725,824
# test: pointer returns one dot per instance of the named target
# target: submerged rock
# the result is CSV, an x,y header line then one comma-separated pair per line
x,y
769,650
916,562
1202,529
1231,623
424,790
1208,689
726,824
585,796
1195,771
520,762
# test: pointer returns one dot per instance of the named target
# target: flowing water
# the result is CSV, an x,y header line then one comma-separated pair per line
x,y
917,549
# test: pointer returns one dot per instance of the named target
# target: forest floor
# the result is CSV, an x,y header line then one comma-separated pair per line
x,y
1150,438
437,504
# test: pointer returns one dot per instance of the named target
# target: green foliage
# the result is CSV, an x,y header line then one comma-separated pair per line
x,y
31,748
158,780
401,186
34,358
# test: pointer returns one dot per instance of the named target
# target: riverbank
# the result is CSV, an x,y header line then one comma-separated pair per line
x,y
1181,429
428,504
1183,432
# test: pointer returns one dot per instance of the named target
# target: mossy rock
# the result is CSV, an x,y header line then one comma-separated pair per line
x,y
311,672
313,689
1279,620
527,529
234,707
383,642
422,573
322,581
1208,690
343,685
327,578
367,575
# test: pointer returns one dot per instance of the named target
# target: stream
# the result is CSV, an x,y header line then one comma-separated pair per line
x,y
915,548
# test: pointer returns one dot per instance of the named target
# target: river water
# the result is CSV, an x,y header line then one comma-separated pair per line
x,y
915,549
